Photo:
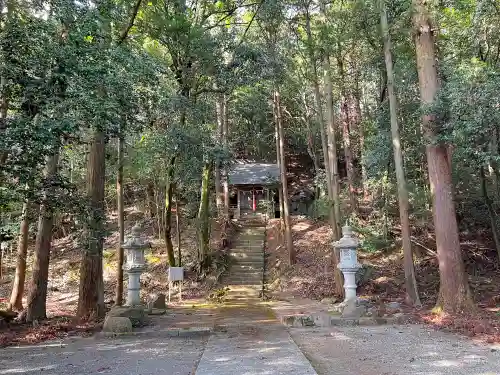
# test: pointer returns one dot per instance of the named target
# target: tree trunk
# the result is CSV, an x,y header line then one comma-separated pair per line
x,y
225,142
335,188
203,214
219,198
284,184
491,212
346,137
91,293
321,121
159,211
311,149
37,298
121,222
4,105
167,234
454,293
178,227
333,175
361,134
332,157
410,281
150,193
16,297
278,162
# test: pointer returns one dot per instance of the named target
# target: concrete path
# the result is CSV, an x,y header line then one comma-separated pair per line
x,y
395,350
133,355
248,340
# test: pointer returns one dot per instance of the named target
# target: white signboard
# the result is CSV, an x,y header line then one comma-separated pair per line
x,y
175,274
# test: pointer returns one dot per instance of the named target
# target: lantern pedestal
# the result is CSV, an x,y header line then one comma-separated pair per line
x,y
134,288
349,283
135,265
348,264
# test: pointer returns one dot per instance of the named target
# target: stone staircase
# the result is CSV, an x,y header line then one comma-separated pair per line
x,y
247,255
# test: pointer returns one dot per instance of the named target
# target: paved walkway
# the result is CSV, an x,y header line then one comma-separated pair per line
x,y
136,355
395,350
248,340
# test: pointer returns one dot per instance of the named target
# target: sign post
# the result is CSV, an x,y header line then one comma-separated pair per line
x,y
175,274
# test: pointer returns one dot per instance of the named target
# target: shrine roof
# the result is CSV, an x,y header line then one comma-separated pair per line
x,y
250,173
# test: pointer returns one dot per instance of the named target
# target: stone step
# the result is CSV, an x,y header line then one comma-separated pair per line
x,y
238,269
252,244
238,258
245,272
246,256
240,281
246,224
243,245
247,248
249,241
239,250
247,260
242,258
247,267
256,239
252,232
243,282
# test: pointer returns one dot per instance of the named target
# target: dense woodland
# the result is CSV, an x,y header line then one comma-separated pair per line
x,y
394,104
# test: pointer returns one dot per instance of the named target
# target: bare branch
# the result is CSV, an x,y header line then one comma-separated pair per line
x,y
126,29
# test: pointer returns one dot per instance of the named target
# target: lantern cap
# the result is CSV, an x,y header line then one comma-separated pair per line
x,y
136,230
135,240
348,241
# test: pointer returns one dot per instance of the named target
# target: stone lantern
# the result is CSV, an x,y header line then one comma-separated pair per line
x,y
134,265
348,263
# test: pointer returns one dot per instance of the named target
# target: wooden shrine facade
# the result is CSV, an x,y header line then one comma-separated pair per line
x,y
254,188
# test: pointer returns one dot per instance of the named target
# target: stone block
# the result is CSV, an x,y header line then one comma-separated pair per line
x,y
368,321
157,301
288,320
136,314
308,321
338,321
398,318
329,300
393,305
298,321
322,320
153,311
117,325
353,310
194,331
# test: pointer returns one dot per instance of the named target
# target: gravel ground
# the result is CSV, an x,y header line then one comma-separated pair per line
x,y
388,350
136,355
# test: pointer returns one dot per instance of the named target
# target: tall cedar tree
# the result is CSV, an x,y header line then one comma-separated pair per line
x,y
410,281
454,292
